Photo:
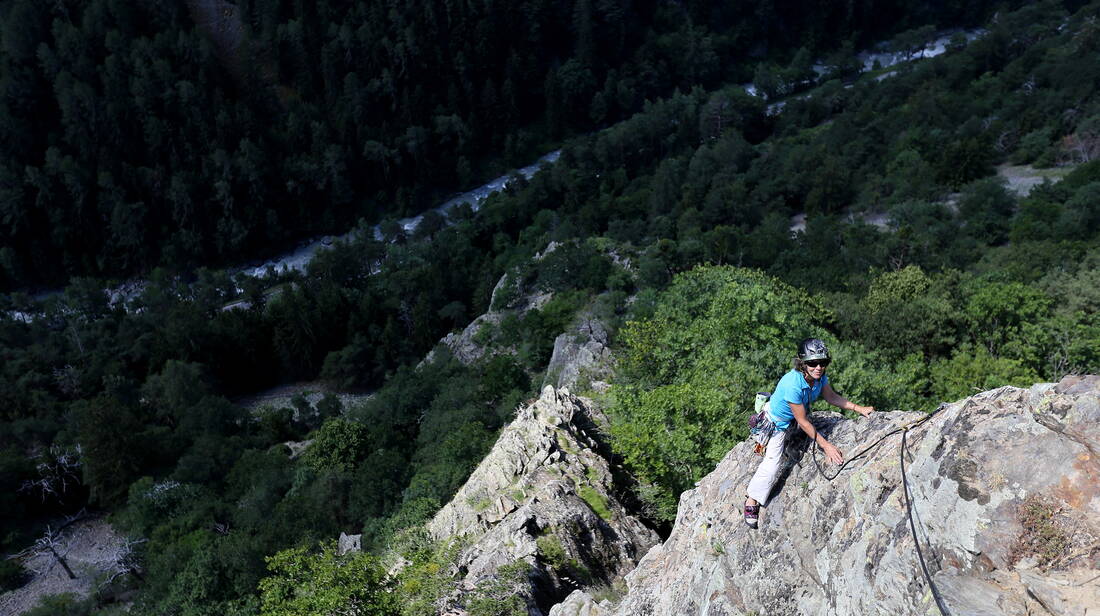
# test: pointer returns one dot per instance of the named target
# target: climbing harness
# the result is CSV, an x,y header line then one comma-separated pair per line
x,y
904,430
761,426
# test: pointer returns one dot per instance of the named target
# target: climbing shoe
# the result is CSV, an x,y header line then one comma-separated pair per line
x,y
752,515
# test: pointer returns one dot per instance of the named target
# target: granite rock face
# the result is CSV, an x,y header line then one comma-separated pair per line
x,y
581,356
545,495
1005,487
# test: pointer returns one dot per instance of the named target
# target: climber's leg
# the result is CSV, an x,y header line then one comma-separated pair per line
x,y
762,481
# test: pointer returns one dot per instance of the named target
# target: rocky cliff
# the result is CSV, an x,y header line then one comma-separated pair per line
x,y
465,345
1005,491
546,495
582,356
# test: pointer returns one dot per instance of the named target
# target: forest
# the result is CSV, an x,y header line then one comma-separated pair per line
x,y
130,140
671,207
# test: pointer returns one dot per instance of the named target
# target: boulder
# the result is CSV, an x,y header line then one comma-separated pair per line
x,y
580,603
1005,493
349,544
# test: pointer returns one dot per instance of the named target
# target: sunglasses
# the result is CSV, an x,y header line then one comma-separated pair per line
x,y
813,363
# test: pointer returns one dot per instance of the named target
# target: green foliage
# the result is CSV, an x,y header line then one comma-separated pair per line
x,y
65,604
339,445
1000,289
507,293
908,177
718,334
200,574
971,370
551,550
870,377
596,501
426,579
325,584
987,207
12,575
117,445
1007,319
497,596
907,312
964,161
573,266
888,289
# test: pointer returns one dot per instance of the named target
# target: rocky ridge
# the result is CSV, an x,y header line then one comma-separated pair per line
x,y
581,355
1005,490
465,346
545,495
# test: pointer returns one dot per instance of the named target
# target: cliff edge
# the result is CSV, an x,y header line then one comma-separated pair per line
x,y
1005,493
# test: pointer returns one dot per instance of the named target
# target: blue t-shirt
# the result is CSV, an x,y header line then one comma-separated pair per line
x,y
793,389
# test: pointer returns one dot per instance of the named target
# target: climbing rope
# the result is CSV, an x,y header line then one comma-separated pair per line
x,y
913,528
904,430
814,446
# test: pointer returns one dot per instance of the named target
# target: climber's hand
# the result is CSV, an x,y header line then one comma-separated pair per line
x,y
833,454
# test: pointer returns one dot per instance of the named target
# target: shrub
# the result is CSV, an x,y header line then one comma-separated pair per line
x,y
1043,533
688,372
305,584
12,575
498,596
65,604
551,550
339,445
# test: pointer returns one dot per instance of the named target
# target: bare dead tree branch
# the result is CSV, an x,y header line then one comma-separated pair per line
x,y
124,561
50,542
58,470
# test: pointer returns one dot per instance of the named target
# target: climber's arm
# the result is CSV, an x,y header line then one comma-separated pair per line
x,y
831,452
841,402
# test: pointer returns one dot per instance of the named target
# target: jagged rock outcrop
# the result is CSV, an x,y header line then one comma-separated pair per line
x,y
545,495
1006,492
465,346
581,356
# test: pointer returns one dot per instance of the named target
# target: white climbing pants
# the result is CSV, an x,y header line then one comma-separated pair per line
x,y
761,484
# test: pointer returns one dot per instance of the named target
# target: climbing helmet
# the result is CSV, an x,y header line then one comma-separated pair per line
x,y
812,348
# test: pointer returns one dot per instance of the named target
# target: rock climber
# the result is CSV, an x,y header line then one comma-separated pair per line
x,y
790,404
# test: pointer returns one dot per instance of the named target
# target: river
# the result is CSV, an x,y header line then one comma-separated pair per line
x,y
299,258
880,57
